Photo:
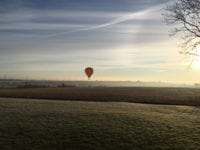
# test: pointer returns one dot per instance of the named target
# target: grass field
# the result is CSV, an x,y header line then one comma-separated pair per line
x,y
43,124
150,95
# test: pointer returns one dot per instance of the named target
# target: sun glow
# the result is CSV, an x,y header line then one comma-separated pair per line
x,y
196,63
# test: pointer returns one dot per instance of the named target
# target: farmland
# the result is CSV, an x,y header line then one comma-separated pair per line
x,y
149,95
48,124
100,118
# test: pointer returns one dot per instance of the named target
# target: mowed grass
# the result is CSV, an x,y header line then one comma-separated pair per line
x,y
43,124
149,95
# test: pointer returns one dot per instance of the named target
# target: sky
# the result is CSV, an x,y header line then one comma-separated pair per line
x,y
123,40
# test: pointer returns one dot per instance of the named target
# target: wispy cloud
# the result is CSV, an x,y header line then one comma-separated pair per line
x,y
131,16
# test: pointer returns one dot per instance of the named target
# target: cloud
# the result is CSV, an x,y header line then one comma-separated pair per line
x,y
28,23
131,16
91,5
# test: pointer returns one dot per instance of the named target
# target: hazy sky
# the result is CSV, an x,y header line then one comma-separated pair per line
x,y
121,39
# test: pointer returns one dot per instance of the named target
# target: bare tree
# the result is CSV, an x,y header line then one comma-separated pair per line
x,y
185,16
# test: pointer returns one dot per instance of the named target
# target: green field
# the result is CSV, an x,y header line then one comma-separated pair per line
x,y
45,124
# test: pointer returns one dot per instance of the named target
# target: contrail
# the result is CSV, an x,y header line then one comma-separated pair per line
x,y
113,21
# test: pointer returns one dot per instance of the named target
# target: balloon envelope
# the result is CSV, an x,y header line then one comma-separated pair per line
x,y
89,71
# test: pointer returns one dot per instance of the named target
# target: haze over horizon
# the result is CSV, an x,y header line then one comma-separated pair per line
x,y
58,39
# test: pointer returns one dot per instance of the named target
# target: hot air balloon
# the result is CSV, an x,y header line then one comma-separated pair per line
x,y
89,71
